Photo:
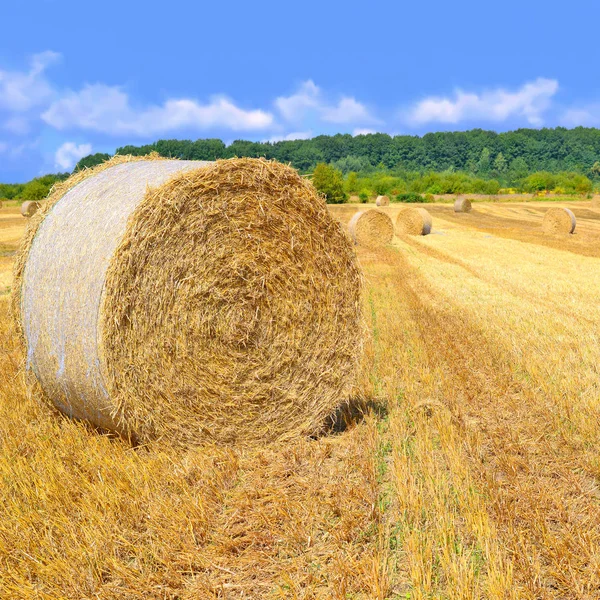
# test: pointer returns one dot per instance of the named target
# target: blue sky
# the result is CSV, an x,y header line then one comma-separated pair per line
x,y
79,77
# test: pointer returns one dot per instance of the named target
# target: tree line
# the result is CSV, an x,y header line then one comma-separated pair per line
x,y
476,161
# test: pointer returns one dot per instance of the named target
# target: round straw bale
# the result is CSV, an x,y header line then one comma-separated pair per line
x,y
595,201
371,228
191,301
29,208
382,201
413,221
559,221
354,200
462,205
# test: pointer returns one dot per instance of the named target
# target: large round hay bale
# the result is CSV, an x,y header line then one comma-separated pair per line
x,y
371,228
413,221
559,221
382,201
462,205
191,301
595,203
29,208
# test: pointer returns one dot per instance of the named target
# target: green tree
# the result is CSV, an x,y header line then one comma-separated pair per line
x,y
330,183
352,182
483,166
500,163
595,170
87,162
34,190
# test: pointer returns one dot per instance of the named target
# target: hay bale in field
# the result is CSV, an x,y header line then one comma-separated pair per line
x,y
354,200
191,301
413,221
382,201
29,208
559,221
371,228
596,201
462,205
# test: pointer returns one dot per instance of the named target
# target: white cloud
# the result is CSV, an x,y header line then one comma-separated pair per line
x,y
295,135
308,102
529,101
69,153
362,131
107,109
19,91
587,116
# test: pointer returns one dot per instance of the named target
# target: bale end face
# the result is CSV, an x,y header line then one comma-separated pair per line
x,y
559,221
413,221
462,205
371,228
382,201
29,208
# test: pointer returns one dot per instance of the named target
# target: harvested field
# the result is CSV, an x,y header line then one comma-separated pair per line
x,y
473,473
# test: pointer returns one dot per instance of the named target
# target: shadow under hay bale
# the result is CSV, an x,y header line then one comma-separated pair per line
x,y
462,205
352,413
371,228
413,221
382,201
191,301
29,208
558,221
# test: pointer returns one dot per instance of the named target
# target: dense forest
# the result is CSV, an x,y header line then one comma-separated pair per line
x,y
476,161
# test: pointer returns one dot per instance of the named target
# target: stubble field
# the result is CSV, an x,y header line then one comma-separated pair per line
x,y
467,467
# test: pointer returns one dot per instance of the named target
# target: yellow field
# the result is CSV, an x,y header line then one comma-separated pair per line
x,y
473,473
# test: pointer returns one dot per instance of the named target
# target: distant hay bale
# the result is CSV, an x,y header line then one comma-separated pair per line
x,y
596,201
413,221
371,228
462,205
559,221
29,208
354,200
382,201
191,301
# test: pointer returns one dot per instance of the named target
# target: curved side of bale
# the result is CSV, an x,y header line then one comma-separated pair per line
x,y
382,201
179,320
559,221
29,208
462,205
57,191
413,221
371,228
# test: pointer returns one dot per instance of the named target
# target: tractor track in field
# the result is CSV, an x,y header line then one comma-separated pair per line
x,y
543,502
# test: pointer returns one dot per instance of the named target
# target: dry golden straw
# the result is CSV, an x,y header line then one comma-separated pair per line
x,y
191,301
29,208
559,221
354,200
382,201
462,205
371,228
413,221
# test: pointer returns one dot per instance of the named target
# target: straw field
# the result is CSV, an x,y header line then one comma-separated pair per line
x,y
467,468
